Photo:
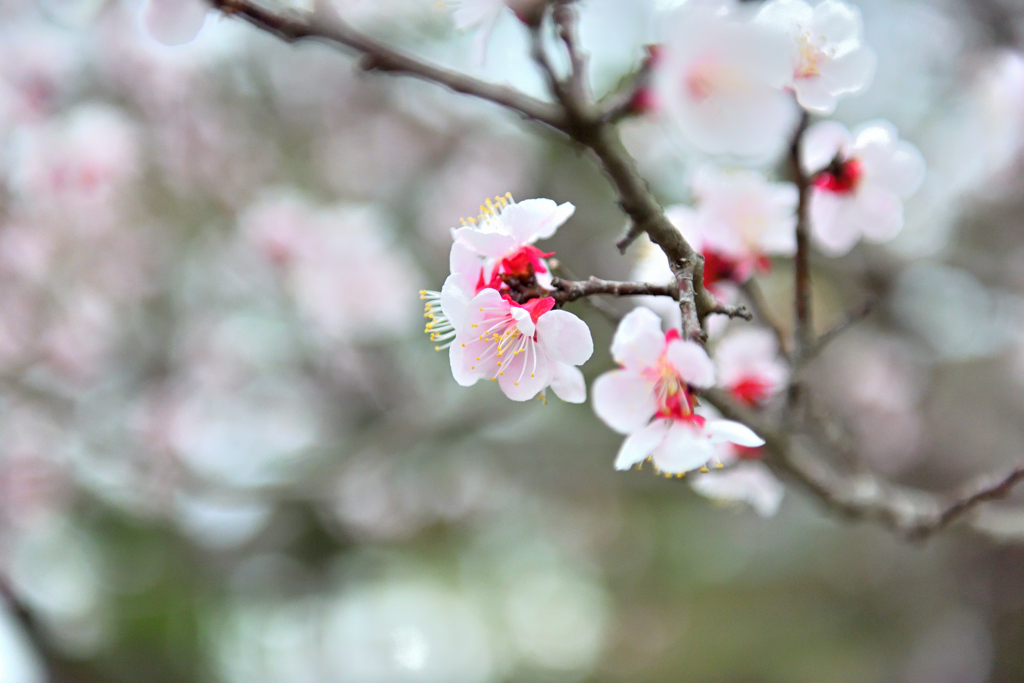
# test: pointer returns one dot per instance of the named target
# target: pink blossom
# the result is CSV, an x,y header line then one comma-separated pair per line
x,y
748,365
502,236
650,398
174,22
522,347
740,219
719,77
828,57
860,182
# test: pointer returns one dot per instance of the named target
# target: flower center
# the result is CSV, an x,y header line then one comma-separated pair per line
x,y
811,57
751,390
525,262
843,176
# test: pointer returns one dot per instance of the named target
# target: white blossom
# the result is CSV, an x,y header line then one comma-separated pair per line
x,y
748,365
828,57
649,398
860,182
174,22
522,347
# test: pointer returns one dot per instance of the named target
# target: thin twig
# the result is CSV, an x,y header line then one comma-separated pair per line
x,y
758,302
804,326
324,24
570,290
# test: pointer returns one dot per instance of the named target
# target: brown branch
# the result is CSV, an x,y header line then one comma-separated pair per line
x,y
739,311
910,513
804,326
325,25
570,290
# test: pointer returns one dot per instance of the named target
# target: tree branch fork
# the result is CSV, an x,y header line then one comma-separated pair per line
x,y
590,123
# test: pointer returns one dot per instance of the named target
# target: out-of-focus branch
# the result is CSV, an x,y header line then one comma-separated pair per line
x,y
804,326
324,24
910,513
571,290
830,335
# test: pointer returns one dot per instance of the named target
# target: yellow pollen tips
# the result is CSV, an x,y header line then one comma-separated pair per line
x,y
719,466
502,374
532,375
516,383
704,469
494,379
481,309
437,348
474,325
463,346
472,367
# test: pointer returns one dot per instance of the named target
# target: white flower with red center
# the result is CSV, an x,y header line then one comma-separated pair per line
x,y
446,309
503,236
740,220
650,398
748,366
523,347
828,57
720,78
859,184
174,22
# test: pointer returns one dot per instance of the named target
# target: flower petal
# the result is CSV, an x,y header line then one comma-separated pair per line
x,y
822,142
638,341
691,362
637,446
567,383
683,449
740,434
535,219
624,400
564,337
486,242
750,482
174,22
525,375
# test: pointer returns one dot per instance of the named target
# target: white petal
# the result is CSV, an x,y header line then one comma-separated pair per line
x,y
174,22
637,446
839,24
624,400
749,482
454,301
524,323
525,375
814,95
691,362
464,260
785,15
849,73
460,365
567,383
880,213
734,432
564,337
534,219
834,228
821,143
638,341
486,243
683,449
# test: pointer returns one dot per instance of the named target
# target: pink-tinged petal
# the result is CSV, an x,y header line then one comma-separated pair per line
x,y
899,167
535,219
684,448
880,213
464,261
486,243
525,375
568,384
461,363
822,142
471,13
750,482
691,362
839,24
637,446
849,73
834,227
174,22
718,431
880,134
785,15
564,337
524,323
638,341
684,219
624,400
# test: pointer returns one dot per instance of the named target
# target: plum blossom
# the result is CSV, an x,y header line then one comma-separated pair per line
x,y
174,22
828,57
748,366
503,236
860,182
742,478
650,399
522,347
740,220
446,309
719,77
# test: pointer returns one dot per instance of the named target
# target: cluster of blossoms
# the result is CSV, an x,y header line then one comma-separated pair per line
x,y
482,316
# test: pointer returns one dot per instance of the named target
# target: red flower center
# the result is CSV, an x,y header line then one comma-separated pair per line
x,y
525,262
536,307
841,177
751,390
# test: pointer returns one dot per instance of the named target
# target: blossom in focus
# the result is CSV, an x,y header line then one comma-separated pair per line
x,y
522,347
748,366
828,57
860,181
503,235
445,310
719,77
174,22
650,399
740,219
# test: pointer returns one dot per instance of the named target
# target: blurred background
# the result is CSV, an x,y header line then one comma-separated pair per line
x,y
228,452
